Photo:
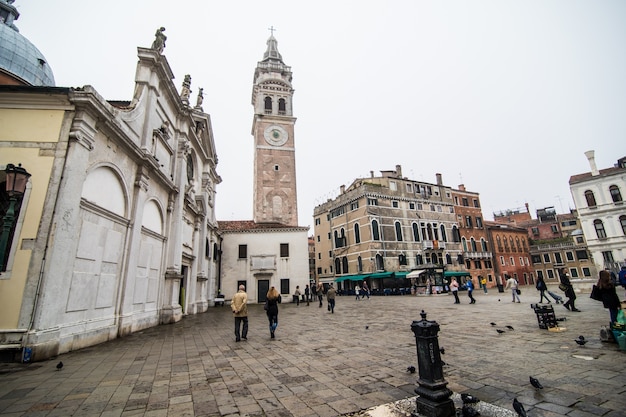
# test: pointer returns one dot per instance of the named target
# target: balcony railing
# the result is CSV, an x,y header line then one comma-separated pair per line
x,y
477,255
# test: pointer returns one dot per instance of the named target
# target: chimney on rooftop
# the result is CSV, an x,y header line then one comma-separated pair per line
x,y
342,188
461,187
371,174
399,171
439,179
592,162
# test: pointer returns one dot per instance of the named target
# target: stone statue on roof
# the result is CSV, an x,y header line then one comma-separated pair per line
x,y
159,40
200,98
186,91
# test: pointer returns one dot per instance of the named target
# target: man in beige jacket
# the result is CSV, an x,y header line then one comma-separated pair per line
x,y
239,305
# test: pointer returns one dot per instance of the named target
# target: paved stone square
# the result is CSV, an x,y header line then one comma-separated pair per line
x,y
324,364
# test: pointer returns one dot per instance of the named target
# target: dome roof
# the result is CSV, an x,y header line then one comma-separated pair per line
x,y
19,58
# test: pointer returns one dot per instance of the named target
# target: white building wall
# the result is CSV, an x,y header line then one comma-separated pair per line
x,y
264,251
605,210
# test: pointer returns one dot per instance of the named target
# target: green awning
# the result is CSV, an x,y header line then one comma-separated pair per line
x,y
400,274
357,277
381,275
456,274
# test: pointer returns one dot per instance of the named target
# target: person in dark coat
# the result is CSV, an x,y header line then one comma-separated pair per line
x,y
542,288
273,298
470,289
608,294
569,290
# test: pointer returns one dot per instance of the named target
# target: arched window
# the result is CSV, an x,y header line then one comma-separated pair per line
x,y
473,244
429,230
380,265
357,233
268,105
456,235
338,265
402,259
443,233
359,263
448,259
615,194
282,108
464,242
483,244
419,260
622,222
344,264
511,240
375,231
424,234
416,232
435,232
398,232
599,228
215,251
591,199
340,238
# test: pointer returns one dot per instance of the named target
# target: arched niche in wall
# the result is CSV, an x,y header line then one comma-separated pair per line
x,y
152,218
104,188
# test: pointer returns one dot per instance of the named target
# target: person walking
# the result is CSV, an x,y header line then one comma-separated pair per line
x,y
320,293
356,291
483,283
366,290
470,290
514,286
542,288
330,297
239,305
567,287
608,294
454,287
296,295
273,298
307,294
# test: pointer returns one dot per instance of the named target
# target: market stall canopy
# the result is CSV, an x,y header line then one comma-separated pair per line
x,y
456,274
351,278
415,274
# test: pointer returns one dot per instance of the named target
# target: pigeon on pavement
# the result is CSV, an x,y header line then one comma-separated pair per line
x,y
59,365
469,399
519,408
535,383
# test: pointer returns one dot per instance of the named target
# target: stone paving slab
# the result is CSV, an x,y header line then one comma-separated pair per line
x,y
324,364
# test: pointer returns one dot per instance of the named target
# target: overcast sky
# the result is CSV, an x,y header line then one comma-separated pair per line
x,y
502,96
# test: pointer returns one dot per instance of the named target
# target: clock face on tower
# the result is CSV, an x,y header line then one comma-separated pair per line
x,y
275,135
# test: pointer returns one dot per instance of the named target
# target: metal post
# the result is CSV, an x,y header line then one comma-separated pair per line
x,y
433,397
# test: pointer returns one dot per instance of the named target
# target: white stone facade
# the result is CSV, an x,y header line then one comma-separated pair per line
x,y
599,199
264,265
132,229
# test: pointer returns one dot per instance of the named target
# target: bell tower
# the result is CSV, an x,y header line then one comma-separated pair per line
x,y
275,198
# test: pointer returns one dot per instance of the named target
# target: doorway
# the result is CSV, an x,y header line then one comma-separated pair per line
x,y
183,280
263,287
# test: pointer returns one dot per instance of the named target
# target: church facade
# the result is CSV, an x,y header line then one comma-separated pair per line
x,y
116,231
270,250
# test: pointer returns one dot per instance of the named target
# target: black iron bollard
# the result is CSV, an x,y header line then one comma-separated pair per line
x,y
433,397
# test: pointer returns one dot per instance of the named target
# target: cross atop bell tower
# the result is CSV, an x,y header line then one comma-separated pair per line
x,y
275,198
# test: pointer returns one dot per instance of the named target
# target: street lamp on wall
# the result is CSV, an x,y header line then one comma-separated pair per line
x,y
16,180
